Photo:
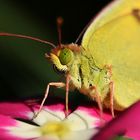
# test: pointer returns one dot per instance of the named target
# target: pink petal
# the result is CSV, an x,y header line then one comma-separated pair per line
x,y
86,118
25,109
15,109
49,113
127,123
93,111
12,129
7,122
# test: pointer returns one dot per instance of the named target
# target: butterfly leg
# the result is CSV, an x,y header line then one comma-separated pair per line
x,y
111,87
67,95
98,100
56,84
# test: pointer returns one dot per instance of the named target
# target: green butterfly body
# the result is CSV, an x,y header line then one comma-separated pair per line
x,y
85,74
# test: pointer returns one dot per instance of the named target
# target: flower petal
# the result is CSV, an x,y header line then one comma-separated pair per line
x,y
27,111
75,135
126,123
84,118
49,113
24,130
81,135
15,109
11,129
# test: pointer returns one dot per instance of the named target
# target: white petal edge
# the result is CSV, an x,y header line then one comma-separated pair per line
x,y
80,120
81,135
24,130
73,135
47,115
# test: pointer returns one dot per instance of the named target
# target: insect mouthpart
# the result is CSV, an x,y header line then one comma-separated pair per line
x,y
57,70
56,61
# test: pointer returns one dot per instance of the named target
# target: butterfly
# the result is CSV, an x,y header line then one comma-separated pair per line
x,y
106,65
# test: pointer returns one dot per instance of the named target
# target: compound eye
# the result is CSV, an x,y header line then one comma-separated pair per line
x,y
57,70
65,56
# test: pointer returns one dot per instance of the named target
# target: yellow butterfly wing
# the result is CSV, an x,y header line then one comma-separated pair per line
x,y
116,42
115,9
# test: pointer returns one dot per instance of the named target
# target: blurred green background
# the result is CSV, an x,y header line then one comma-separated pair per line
x,y
24,71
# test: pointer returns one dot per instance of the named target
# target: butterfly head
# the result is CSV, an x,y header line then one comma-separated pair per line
x,y
63,56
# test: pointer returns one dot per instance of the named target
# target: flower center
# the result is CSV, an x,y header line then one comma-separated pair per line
x,y
55,128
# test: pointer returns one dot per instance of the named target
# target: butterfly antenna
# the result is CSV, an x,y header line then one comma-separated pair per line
x,y
83,31
27,37
59,25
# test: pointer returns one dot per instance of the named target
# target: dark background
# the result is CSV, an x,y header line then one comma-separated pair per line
x,y
24,71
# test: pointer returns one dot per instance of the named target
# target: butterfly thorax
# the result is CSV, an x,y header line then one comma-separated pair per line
x,y
84,74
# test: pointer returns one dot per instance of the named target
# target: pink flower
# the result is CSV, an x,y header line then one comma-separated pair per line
x,y
84,123
16,122
127,123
